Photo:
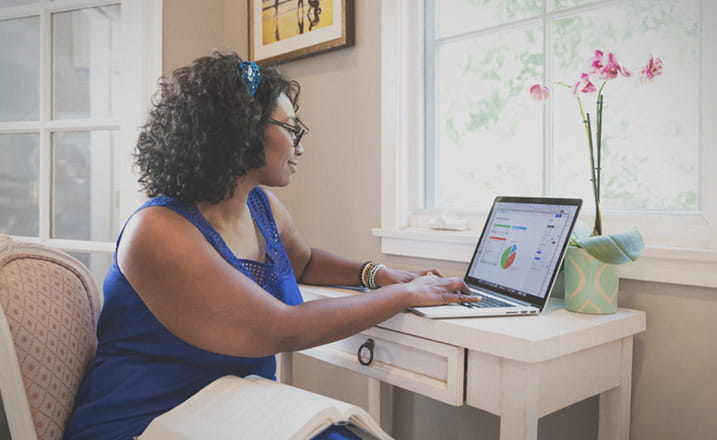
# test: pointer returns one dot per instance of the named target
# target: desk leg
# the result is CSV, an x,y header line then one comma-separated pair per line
x,y
285,370
614,421
380,403
519,401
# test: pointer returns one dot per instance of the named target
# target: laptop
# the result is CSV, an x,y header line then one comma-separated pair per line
x,y
517,258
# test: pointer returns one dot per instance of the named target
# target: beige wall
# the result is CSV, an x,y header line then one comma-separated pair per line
x,y
335,200
191,28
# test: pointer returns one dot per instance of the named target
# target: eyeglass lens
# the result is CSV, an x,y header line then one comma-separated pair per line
x,y
298,130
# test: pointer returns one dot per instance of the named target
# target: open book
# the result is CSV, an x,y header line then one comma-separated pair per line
x,y
234,408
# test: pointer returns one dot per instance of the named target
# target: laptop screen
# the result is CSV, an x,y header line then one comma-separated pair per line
x,y
522,246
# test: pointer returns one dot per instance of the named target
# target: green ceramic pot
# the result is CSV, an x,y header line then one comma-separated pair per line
x,y
591,286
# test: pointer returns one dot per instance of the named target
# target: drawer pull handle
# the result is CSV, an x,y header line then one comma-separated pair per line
x,y
366,346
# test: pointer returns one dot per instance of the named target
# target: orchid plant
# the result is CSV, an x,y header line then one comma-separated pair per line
x,y
613,248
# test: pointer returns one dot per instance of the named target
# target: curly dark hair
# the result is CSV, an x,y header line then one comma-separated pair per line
x,y
204,129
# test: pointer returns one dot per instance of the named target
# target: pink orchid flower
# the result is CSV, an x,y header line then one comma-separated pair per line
x,y
651,70
595,64
539,92
584,85
612,68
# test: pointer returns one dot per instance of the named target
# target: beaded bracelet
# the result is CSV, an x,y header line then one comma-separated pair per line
x,y
367,274
363,278
372,276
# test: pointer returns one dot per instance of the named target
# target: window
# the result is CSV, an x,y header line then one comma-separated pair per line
x,y
68,119
468,130
487,134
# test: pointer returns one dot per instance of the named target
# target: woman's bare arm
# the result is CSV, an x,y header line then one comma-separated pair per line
x,y
206,302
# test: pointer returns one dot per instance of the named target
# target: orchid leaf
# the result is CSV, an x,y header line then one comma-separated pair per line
x,y
618,248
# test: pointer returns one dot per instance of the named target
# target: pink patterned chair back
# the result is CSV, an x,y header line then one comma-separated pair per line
x,y
48,312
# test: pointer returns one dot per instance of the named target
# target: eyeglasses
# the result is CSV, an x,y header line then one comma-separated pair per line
x,y
298,130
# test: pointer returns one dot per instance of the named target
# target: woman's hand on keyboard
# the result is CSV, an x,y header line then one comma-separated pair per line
x,y
431,290
387,276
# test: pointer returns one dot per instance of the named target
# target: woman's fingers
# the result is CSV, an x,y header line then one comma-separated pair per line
x,y
449,284
458,292
433,290
458,286
459,298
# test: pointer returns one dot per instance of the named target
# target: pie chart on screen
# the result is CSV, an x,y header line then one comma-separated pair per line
x,y
508,257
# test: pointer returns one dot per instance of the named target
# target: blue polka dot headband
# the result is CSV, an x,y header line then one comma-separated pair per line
x,y
250,76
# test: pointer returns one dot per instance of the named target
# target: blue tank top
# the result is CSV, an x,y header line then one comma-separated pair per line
x,y
141,369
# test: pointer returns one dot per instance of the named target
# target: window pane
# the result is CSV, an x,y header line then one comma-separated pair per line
x,y
20,72
86,62
455,17
6,3
650,131
488,131
19,209
84,183
98,263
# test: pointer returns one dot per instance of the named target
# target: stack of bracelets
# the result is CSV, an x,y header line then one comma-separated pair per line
x,y
367,275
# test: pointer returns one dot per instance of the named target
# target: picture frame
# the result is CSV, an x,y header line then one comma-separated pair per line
x,y
284,30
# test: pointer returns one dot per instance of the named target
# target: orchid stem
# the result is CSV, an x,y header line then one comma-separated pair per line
x,y
597,228
598,142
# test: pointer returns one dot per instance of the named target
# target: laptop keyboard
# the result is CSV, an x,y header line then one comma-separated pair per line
x,y
487,303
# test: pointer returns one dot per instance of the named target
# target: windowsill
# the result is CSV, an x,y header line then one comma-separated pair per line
x,y
71,245
691,267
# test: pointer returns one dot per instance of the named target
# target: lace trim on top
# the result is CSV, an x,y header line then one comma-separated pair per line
x,y
267,274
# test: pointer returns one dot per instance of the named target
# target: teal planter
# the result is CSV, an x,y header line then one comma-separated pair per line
x,y
591,286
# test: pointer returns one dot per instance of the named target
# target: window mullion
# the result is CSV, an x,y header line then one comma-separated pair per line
x,y
430,58
548,108
707,129
86,124
45,147
70,5
19,127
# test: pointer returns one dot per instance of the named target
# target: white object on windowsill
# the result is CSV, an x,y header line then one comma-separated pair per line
x,y
448,223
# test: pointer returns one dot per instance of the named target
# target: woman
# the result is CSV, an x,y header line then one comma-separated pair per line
x,y
204,281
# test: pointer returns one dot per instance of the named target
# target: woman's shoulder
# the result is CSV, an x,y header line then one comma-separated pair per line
x,y
155,215
157,238
157,224
160,212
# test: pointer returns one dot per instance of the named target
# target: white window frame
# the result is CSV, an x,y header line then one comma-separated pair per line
x,y
688,258
141,58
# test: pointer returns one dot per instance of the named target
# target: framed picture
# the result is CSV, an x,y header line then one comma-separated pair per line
x,y
283,30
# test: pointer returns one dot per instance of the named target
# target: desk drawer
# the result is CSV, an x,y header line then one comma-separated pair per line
x,y
425,367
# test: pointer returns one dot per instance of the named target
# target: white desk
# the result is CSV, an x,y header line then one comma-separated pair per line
x,y
519,368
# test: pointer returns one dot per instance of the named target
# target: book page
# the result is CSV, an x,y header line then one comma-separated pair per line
x,y
235,408
366,425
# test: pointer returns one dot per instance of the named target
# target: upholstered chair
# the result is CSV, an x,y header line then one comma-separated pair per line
x,y
48,312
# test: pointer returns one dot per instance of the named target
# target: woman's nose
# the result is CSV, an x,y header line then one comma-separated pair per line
x,y
299,149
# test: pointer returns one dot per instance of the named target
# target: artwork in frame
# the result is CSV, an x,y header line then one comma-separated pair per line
x,y
283,30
